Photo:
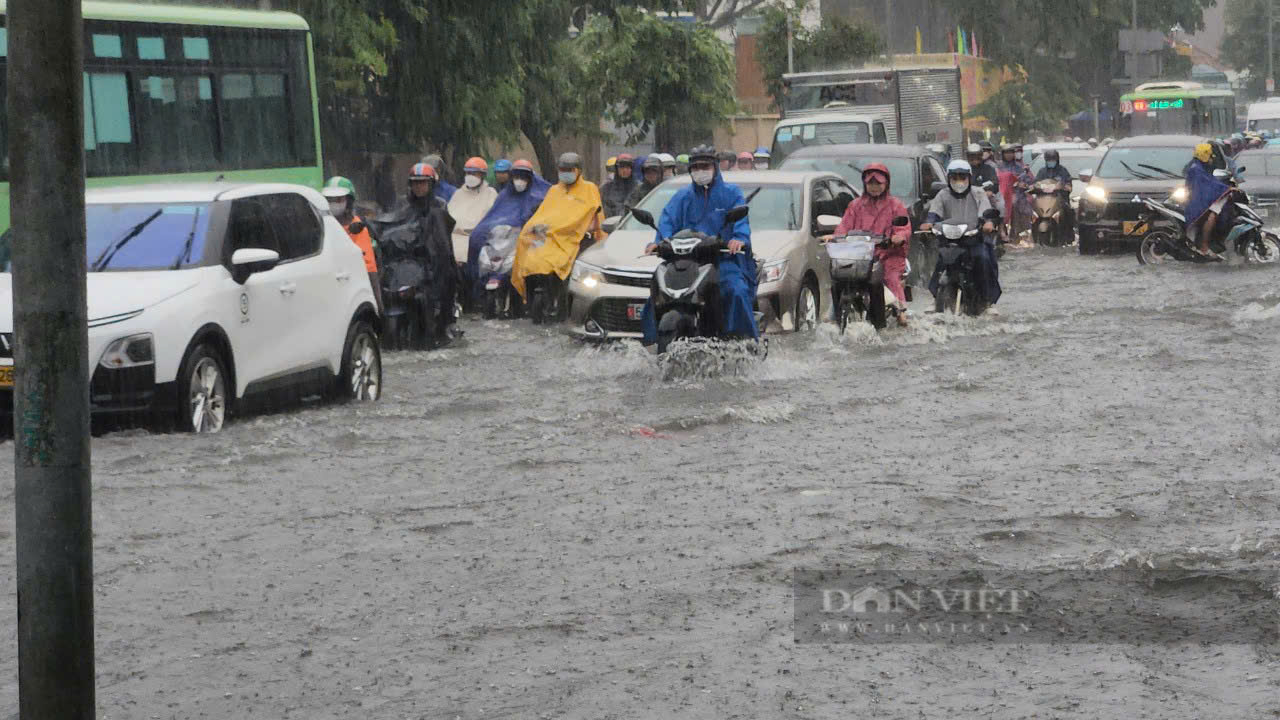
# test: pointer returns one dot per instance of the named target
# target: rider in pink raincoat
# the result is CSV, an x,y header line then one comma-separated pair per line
x,y
874,213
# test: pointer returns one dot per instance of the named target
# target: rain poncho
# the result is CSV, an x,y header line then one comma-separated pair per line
x,y
422,226
567,214
875,215
444,190
1205,190
614,194
1016,201
511,208
467,208
703,209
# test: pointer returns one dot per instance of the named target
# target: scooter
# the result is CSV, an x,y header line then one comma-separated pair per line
x,y
1245,236
958,290
497,258
859,278
411,318
548,294
684,282
1047,209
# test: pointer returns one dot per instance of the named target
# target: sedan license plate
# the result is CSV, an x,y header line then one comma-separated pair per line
x,y
6,377
1135,227
634,310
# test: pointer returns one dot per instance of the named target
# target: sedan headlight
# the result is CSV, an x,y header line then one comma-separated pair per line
x,y
1180,195
1096,194
589,275
773,271
128,352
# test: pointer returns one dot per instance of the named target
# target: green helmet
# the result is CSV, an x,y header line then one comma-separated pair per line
x,y
339,186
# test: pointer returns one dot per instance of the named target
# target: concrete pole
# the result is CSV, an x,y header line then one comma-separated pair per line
x,y
1135,14
1271,50
51,397
791,49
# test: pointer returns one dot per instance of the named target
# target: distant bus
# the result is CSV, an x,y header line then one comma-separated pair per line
x,y
190,93
1177,108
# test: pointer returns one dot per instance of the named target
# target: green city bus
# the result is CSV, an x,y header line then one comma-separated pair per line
x,y
177,93
1178,108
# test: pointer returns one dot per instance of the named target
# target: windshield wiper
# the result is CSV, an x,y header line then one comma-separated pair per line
x,y
1170,173
1135,173
855,167
110,251
186,246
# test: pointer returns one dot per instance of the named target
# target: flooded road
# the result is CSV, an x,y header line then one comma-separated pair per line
x,y
527,527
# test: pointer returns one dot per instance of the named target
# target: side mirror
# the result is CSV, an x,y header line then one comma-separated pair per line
x,y
901,221
1240,170
1086,175
644,216
936,187
827,224
736,214
249,261
356,227
611,223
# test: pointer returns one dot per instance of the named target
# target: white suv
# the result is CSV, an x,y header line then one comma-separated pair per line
x,y
202,295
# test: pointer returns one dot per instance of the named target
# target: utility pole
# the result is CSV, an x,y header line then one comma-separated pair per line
x,y
1271,50
1135,14
51,397
791,50
888,32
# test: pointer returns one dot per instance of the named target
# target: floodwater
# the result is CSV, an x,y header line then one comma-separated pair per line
x,y
526,527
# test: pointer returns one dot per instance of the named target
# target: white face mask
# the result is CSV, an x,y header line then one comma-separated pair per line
x,y
568,177
520,185
472,181
959,186
338,207
703,177
762,164
1017,155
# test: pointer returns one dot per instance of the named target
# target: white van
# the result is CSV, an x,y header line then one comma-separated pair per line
x,y
833,128
1264,115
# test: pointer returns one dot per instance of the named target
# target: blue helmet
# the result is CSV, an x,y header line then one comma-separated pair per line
x,y
503,165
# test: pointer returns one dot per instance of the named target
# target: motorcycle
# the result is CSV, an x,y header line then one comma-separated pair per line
x,y
685,280
411,320
859,278
958,289
497,258
548,294
1245,236
1048,208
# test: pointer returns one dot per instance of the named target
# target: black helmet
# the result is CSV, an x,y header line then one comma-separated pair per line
x,y
703,152
728,155
1051,155
569,161
986,146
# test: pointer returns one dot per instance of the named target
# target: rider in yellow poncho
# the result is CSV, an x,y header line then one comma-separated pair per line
x,y
570,211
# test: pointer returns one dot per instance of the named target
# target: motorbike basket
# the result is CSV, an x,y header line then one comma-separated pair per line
x,y
851,261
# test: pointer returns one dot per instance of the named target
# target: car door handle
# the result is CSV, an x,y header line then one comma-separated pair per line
x,y
288,289
342,276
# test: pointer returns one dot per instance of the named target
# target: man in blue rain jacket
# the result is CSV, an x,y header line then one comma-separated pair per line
x,y
701,206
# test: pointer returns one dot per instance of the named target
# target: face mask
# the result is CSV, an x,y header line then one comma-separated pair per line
x,y
1051,164
472,181
1017,156
959,187
520,185
568,177
703,177
762,165
338,207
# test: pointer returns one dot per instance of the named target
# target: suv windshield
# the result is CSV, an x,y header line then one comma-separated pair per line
x,y
902,174
1144,163
146,236
777,207
791,138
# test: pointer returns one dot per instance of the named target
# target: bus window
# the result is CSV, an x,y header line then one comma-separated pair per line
x,y
108,129
255,120
175,114
880,136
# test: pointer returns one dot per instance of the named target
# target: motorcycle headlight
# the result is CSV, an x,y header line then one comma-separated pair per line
x,y
1096,194
589,275
773,271
1180,195
128,352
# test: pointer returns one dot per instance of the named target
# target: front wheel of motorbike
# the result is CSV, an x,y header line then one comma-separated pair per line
x,y
1263,248
947,299
843,313
490,304
1154,249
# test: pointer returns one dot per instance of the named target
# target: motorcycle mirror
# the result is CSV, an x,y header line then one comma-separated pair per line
x,y
901,221
644,217
735,214
1086,175
827,224
1240,170
356,228
611,223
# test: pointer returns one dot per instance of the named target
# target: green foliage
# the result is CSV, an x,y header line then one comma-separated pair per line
x,y
834,43
645,72
1038,102
1245,44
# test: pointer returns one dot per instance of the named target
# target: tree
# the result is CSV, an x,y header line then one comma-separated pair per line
x,y
836,42
1245,44
670,78
1038,101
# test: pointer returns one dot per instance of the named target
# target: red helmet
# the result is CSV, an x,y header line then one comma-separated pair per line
x,y
476,163
521,165
422,171
626,158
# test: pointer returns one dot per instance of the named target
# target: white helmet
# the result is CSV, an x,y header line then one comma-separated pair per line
x,y
959,166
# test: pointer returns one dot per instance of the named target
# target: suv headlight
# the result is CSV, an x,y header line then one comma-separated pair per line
x,y
589,275
773,271
1096,194
128,352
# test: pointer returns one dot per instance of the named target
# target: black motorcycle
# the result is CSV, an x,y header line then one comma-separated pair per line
x,y
1239,228
685,291
412,318
858,278
958,287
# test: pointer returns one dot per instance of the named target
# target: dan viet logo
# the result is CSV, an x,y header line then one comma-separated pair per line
x,y
872,599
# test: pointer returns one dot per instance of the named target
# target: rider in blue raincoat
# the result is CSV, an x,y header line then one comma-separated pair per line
x,y
701,206
517,202
1208,199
